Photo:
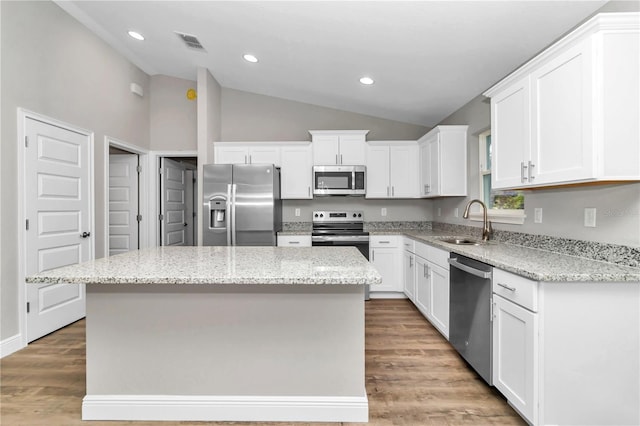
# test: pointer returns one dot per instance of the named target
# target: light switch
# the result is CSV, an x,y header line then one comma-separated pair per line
x,y
297,212
383,211
439,212
590,217
537,215
455,212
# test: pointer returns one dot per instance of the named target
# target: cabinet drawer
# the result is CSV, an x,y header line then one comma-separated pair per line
x,y
384,241
422,249
409,245
519,290
294,240
439,257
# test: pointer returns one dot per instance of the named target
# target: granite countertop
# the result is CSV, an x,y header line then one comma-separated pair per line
x,y
536,264
221,265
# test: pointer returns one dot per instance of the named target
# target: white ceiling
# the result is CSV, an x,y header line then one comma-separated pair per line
x,y
428,58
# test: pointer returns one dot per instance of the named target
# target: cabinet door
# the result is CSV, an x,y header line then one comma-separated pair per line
x,y
264,155
352,150
387,262
425,177
423,287
325,150
408,267
296,172
515,332
232,155
294,240
378,172
403,171
434,167
561,136
439,307
510,135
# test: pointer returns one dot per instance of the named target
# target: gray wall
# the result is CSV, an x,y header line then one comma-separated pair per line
x,y
53,65
172,115
251,117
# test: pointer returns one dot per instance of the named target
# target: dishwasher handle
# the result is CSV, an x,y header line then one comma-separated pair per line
x,y
473,271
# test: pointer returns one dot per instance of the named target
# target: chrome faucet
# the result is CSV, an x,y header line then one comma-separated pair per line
x,y
487,230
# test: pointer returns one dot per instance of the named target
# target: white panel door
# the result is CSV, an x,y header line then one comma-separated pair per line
x,y
173,207
403,165
296,172
123,203
352,150
267,154
439,298
57,205
378,172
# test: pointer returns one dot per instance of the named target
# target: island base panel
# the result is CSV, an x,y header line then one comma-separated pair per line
x,y
225,352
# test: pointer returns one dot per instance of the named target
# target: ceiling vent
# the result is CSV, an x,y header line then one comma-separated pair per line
x,y
191,41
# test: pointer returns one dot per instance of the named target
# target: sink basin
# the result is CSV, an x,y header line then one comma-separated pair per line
x,y
461,241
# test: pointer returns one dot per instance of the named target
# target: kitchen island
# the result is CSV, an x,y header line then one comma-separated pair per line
x,y
224,333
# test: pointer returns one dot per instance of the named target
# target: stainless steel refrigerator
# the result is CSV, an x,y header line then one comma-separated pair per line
x,y
242,205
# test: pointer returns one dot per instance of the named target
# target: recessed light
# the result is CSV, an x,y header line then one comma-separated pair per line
x,y
136,35
366,80
250,58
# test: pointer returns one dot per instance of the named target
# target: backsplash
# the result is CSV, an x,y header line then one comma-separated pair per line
x,y
612,253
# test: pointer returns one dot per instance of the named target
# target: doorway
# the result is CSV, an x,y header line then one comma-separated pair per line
x,y
177,199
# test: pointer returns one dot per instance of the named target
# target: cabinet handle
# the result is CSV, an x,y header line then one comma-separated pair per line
x,y
384,242
393,191
245,160
425,271
387,191
373,255
340,158
507,287
531,166
250,161
294,242
337,159
410,261
309,190
522,176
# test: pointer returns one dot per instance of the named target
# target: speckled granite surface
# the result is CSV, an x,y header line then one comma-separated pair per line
x,y
554,260
388,227
222,265
296,228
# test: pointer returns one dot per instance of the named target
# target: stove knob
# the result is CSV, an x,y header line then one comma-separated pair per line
x,y
359,214
321,215
315,215
354,215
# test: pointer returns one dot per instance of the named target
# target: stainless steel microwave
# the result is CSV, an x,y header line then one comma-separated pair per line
x,y
339,180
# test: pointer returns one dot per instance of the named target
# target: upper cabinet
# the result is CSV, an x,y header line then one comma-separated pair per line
x,y
295,172
443,162
570,115
392,169
246,153
338,147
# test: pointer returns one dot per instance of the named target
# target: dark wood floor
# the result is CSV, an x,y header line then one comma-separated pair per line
x,y
413,377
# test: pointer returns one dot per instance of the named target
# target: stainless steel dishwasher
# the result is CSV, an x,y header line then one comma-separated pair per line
x,y
470,328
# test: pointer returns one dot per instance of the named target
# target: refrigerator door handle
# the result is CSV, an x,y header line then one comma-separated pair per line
x,y
229,207
232,229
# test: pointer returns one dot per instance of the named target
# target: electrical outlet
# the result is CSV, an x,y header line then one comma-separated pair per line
x,y
456,213
297,212
590,217
537,215
383,211
439,212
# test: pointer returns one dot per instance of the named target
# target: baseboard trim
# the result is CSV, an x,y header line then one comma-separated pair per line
x,y
387,295
226,408
10,345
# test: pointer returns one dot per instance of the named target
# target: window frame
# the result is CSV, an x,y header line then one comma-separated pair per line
x,y
511,216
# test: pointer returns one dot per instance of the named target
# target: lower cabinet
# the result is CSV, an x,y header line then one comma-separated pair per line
x,y
439,298
384,254
408,267
294,240
515,334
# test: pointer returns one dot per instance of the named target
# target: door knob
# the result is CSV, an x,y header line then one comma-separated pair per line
x,y
86,234
185,224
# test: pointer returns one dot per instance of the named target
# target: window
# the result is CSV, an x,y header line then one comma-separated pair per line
x,y
504,206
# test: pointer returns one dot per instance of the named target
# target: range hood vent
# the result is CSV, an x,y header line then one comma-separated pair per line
x,y
191,41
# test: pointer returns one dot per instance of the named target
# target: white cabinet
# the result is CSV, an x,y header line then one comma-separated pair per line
x,y
515,341
556,120
338,147
294,240
246,153
409,275
515,331
423,286
392,169
296,171
432,286
443,162
385,255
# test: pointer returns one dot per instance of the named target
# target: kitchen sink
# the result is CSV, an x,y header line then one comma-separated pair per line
x,y
461,241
